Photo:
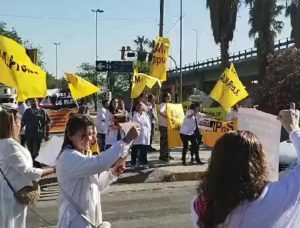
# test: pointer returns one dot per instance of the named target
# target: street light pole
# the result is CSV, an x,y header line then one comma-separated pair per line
x,y
56,44
161,18
96,11
181,96
196,44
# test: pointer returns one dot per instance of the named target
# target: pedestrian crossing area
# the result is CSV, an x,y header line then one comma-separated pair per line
x,y
49,192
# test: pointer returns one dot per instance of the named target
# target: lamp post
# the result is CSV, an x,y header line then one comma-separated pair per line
x,y
96,11
56,44
196,44
181,51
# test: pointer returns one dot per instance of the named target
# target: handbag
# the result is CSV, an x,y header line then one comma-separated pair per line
x,y
28,195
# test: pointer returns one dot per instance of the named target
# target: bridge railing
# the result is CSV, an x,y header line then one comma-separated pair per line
x,y
247,53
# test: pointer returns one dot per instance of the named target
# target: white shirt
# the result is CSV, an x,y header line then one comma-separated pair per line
x,y
16,163
145,133
84,178
162,121
189,124
111,133
100,124
277,207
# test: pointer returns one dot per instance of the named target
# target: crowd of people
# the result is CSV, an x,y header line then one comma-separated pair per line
x,y
233,192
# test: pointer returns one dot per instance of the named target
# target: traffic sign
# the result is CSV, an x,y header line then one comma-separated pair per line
x,y
101,66
121,66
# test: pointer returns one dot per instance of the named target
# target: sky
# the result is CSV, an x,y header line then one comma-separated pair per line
x,y
71,23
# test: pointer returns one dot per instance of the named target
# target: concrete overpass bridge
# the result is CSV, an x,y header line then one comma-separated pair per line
x,y
203,75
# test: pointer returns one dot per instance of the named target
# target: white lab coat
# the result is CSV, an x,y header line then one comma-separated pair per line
x,y
101,126
278,206
145,134
16,163
83,178
111,133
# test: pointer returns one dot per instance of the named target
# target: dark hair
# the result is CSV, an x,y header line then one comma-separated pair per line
x,y
7,118
195,105
104,102
111,108
135,105
151,97
76,123
165,96
83,109
237,172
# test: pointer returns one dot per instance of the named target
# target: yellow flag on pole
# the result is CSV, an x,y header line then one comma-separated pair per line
x,y
79,87
229,89
17,71
140,82
159,62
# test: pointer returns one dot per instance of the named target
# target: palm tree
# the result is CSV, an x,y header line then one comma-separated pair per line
x,y
264,28
141,41
223,20
151,45
293,10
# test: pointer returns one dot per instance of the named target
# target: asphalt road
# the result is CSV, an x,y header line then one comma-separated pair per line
x,y
136,205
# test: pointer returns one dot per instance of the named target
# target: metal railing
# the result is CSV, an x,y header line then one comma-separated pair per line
x,y
247,53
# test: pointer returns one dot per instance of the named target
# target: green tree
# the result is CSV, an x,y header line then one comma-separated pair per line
x,y
223,21
141,42
264,28
51,81
10,33
293,10
282,82
120,85
151,46
88,72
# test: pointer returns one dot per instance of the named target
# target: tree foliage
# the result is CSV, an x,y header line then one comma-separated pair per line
x,y
141,42
223,21
293,10
264,28
282,82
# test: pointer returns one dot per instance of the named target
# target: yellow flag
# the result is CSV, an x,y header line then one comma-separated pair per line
x,y
229,89
175,119
159,63
17,71
140,82
79,87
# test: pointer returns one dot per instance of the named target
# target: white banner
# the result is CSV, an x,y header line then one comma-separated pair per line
x,y
206,124
268,129
50,150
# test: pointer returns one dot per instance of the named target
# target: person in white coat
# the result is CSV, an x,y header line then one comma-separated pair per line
x,y
189,132
142,142
100,124
82,178
235,191
113,116
17,166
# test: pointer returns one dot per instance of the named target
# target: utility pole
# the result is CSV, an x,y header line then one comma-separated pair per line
x,y
161,18
96,11
181,96
56,44
196,44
